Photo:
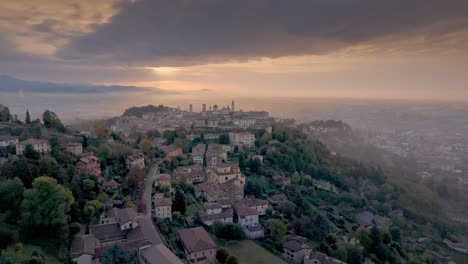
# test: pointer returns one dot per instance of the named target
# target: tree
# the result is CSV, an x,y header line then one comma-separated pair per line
x,y
232,260
242,162
255,165
47,203
222,254
354,255
104,152
395,233
253,188
276,229
30,153
75,228
224,139
27,120
5,115
145,145
265,138
11,196
229,231
179,202
376,237
88,185
118,255
365,239
24,134
134,177
51,120
101,130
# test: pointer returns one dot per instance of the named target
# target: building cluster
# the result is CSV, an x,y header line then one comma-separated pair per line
x,y
125,228
215,117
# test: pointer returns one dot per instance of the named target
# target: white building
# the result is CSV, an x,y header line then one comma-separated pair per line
x,y
243,138
244,122
8,140
246,216
75,148
163,208
40,145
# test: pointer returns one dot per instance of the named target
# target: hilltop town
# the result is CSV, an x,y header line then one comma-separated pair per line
x,y
163,185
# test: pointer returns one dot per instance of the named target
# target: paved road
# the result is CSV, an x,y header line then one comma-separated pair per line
x,y
149,187
148,221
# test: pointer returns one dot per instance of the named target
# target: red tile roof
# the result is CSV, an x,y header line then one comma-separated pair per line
x,y
196,239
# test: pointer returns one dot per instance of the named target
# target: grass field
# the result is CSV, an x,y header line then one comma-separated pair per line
x,y
249,252
192,209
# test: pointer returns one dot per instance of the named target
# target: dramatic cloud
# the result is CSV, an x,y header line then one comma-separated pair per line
x,y
360,48
188,32
42,26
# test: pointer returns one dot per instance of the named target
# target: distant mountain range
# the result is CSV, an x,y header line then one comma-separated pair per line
x,y
11,84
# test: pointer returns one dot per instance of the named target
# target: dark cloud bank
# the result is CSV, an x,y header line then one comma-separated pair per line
x,y
187,32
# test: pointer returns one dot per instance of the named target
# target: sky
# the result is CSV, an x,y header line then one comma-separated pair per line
x,y
397,49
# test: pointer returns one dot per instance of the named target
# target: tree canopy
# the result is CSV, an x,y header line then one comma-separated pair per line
x,y
47,203
51,120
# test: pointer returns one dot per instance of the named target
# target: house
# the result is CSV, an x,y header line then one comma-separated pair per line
x,y
210,191
216,153
316,257
198,153
213,208
163,208
255,231
6,140
171,151
215,212
246,216
127,218
125,228
243,138
244,122
189,174
260,205
158,195
163,180
82,250
40,145
110,185
89,165
232,189
198,245
137,159
295,249
227,172
224,216
157,254
214,192
74,148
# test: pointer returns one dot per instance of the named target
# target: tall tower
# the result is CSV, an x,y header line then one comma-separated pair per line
x,y
191,108
204,108
232,106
